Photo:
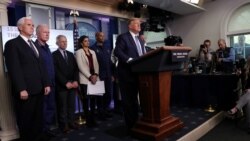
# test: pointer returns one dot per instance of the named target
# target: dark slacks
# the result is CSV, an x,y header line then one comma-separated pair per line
x,y
66,107
49,110
129,94
117,97
87,101
108,94
103,102
29,114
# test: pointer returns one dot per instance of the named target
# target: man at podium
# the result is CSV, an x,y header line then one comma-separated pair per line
x,y
128,47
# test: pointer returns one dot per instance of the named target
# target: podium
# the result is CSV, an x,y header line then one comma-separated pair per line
x,y
154,73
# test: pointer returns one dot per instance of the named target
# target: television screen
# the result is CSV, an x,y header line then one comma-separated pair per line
x,y
10,32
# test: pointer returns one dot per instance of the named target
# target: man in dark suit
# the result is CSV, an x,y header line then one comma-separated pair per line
x,y
66,72
128,47
29,81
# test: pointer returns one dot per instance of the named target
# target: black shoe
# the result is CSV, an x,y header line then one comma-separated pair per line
x,y
248,130
74,126
66,130
53,133
239,114
108,115
91,123
101,117
229,114
118,111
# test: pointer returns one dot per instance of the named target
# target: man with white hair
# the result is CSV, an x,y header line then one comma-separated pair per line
x,y
49,108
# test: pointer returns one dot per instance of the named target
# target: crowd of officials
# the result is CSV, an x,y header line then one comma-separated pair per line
x,y
44,84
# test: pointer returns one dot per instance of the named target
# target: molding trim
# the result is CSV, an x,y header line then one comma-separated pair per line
x,y
6,2
93,6
201,130
102,2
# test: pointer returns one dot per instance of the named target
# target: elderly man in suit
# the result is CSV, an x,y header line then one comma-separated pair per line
x,y
66,72
29,81
128,47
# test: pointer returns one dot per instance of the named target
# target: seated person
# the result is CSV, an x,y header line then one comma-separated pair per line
x,y
205,52
244,100
205,55
225,57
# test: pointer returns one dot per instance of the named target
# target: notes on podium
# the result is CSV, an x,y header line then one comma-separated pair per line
x,y
96,89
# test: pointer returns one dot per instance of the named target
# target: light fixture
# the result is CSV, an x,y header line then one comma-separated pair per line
x,y
74,13
131,1
194,1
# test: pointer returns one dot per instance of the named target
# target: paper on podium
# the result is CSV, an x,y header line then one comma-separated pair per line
x,y
96,89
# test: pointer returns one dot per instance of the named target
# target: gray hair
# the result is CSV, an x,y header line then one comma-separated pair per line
x,y
222,40
21,21
39,27
59,37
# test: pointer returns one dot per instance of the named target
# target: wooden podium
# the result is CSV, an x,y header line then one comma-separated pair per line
x,y
155,70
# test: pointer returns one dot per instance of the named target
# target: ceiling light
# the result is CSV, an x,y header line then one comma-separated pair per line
x,y
74,13
131,1
194,1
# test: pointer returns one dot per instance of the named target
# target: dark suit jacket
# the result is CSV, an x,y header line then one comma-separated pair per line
x,y
64,72
27,72
125,49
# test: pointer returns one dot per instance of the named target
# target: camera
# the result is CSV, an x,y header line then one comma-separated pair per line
x,y
173,40
202,46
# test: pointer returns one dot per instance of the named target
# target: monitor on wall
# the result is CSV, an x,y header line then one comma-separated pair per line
x,y
10,32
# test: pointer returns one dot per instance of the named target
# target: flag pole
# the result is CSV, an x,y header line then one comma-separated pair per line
x,y
75,13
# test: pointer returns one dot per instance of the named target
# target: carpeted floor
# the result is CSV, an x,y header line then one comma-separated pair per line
x,y
114,129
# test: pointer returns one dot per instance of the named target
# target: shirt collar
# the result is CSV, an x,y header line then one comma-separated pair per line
x,y
133,34
24,38
61,50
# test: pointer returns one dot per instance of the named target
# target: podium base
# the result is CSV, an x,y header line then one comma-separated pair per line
x,y
156,131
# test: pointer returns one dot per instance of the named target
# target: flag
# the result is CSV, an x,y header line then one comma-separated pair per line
x,y
75,34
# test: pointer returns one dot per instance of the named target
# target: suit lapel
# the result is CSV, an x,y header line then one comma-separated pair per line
x,y
62,57
24,44
142,46
131,40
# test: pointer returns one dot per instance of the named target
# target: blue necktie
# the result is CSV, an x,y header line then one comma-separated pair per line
x,y
138,45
